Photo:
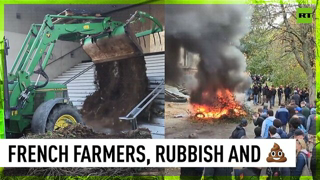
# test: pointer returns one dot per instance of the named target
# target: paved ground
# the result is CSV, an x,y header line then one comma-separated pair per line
x,y
183,126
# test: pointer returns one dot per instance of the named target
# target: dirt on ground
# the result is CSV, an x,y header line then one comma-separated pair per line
x,y
121,85
79,131
82,132
180,124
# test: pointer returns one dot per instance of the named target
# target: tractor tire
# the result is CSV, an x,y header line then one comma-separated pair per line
x,y
58,114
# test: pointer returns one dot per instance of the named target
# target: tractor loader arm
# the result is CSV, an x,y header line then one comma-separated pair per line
x,y
41,38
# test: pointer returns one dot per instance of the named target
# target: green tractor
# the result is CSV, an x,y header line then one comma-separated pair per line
x,y
43,106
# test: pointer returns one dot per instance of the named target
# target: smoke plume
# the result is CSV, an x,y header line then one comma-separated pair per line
x,y
213,32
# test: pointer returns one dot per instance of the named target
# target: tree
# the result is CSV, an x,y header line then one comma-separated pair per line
x,y
282,38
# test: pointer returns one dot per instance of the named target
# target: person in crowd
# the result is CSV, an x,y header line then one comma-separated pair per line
x,y
258,122
255,94
287,92
224,173
305,110
265,109
296,97
298,134
191,173
257,132
240,131
263,112
273,96
266,124
278,124
294,124
311,122
259,117
303,119
280,92
273,133
259,94
315,159
302,95
269,95
306,98
301,160
265,92
291,108
311,126
283,114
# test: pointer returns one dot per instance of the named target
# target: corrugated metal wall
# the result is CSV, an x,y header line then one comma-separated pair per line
x,y
156,73
83,86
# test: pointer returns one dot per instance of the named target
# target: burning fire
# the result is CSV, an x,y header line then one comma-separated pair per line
x,y
221,104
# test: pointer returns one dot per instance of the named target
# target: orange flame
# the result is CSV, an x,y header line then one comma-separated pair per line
x,y
222,103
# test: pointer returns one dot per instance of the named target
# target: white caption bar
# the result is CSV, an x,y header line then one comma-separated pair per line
x,y
147,153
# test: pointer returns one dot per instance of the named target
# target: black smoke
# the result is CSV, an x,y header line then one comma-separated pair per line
x,y
213,32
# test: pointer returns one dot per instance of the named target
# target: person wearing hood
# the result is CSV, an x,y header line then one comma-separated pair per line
x,y
311,122
278,124
283,114
273,133
266,124
240,131
311,126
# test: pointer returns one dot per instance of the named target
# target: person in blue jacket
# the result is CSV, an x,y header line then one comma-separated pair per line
x,y
266,124
283,114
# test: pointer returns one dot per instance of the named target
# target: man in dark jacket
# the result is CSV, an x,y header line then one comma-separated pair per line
x,y
283,114
273,96
280,92
315,159
239,132
265,92
257,132
287,93
302,118
291,108
269,94
278,124
296,97
294,124
255,94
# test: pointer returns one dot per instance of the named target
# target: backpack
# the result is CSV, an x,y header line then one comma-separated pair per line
x,y
303,129
306,169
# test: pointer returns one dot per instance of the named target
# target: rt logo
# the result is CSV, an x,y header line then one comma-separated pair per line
x,y
304,15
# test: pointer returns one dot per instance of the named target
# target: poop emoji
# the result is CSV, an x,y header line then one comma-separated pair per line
x,y
276,154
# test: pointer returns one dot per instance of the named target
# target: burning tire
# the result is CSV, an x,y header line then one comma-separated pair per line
x,y
199,115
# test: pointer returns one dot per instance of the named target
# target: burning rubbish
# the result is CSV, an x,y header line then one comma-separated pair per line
x,y
214,36
222,104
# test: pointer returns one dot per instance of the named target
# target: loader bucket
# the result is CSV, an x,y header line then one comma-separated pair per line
x,y
121,44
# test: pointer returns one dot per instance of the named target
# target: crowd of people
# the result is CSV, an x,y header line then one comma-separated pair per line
x,y
268,94
297,120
